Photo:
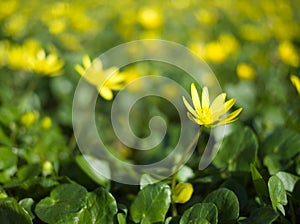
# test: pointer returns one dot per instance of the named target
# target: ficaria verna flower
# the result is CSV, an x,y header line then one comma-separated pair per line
x,y
210,115
104,80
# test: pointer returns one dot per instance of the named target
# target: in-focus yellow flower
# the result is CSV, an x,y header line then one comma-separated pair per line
x,y
296,82
104,80
46,123
210,115
28,119
288,53
46,65
245,71
182,192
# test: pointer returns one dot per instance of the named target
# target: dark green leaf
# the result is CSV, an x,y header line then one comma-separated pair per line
x,y
63,201
13,213
237,151
151,204
259,183
102,206
227,204
91,166
207,211
261,215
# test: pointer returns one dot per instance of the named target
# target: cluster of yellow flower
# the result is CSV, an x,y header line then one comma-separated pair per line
x,y
30,56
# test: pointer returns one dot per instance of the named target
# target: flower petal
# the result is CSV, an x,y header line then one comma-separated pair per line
x,y
195,97
189,107
230,118
205,97
194,119
218,103
106,93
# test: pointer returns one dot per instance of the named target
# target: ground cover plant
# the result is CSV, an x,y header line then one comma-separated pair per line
x,y
248,130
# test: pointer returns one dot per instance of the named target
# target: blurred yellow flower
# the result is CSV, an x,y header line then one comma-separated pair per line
x,y
245,72
296,82
46,65
182,192
150,18
207,17
47,168
16,25
210,115
288,54
46,123
215,52
28,119
105,80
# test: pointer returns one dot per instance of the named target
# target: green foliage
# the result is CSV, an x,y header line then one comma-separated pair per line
x,y
252,47
151,204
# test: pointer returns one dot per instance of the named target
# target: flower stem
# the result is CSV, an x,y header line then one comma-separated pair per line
x,y
174,176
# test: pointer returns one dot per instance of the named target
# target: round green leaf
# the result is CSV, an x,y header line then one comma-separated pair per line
x,y
63,201
207,211
288,180
237,151
13,213
151,204
227,204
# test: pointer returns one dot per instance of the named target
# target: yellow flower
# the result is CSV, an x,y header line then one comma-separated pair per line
x,y
288,53
150,18
296,82
182,192
210,115
46,123
245,72
46,65
104,80
28,119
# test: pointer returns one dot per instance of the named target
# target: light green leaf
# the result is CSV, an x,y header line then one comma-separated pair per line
x,y
27,204
151,204
277,194
288,180
8,158
208,211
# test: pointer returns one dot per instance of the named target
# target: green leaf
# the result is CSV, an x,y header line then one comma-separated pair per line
x,y
121,218
238,189
208,211
8,158
227,204
289,180
282,142
63,201
276,163
277,194
13,213
91,166
259,183
263,215
102,206
237,151
151,204
27,204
